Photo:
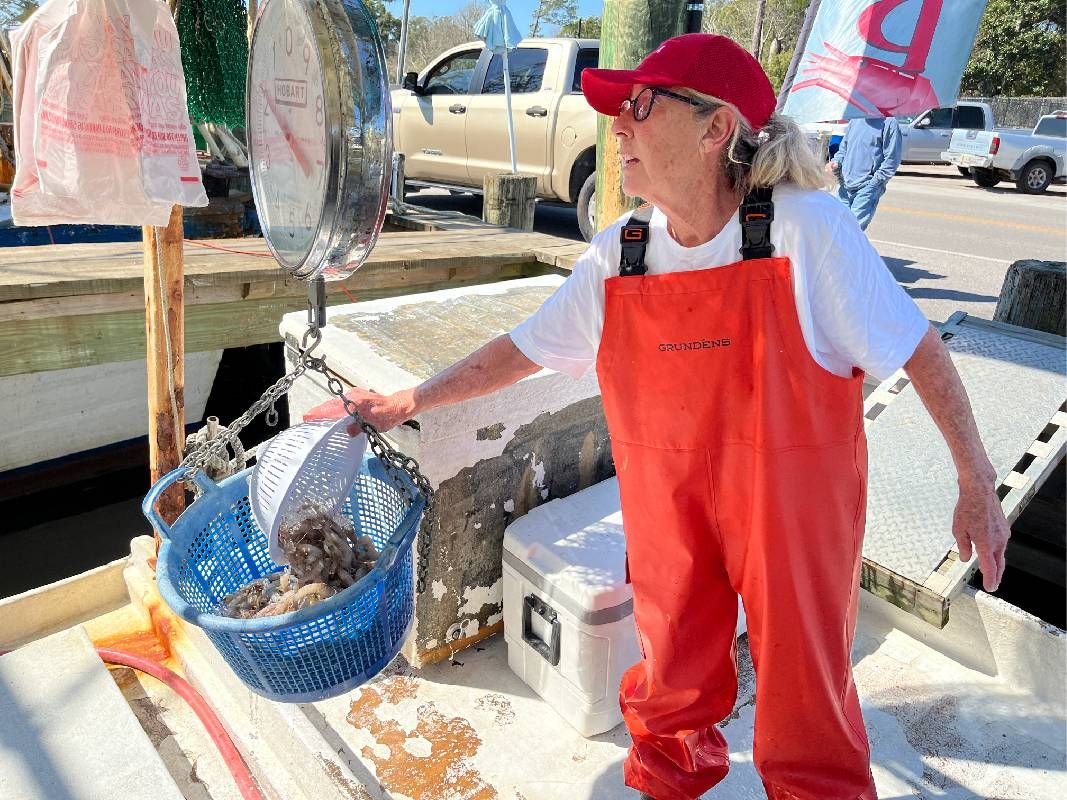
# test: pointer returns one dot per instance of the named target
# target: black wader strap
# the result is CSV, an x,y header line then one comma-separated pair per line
x,y
634,240
756,214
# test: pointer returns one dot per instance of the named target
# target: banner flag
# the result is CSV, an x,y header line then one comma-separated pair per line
x,y
884,58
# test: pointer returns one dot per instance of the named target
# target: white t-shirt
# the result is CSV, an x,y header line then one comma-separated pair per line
x,y
851,309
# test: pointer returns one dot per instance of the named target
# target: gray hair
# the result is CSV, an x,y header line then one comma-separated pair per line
x,y
778,153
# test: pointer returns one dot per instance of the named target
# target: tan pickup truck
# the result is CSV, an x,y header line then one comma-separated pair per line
x,y
449,121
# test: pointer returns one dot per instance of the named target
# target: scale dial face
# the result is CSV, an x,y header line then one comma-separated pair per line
x,y
320,134
287,119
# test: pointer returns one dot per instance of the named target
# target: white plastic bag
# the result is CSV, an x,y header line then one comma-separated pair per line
x,y
102,131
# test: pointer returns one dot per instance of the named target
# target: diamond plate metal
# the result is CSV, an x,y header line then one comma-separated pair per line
x,y
1015,386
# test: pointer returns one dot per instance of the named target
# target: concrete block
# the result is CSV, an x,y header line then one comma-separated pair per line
x,y
67,731
490,459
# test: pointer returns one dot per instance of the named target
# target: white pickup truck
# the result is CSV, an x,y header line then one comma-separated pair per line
x,y
449,122
1032,159
924,135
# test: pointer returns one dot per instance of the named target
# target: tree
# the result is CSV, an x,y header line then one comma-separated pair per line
x,y
776,67
388,29
737,19
1019,50
388,25
428,37
582,28
555,13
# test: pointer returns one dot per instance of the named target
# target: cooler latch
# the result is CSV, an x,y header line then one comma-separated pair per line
x,y
549,650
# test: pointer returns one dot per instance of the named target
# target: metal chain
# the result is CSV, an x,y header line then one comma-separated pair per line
x,y
199,459
394,460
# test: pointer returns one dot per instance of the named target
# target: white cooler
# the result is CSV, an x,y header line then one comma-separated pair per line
x,y
568,611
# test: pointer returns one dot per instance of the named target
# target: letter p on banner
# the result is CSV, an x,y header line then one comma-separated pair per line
x,y
884,58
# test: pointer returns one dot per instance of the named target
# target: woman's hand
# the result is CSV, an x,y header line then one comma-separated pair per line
x,y
383,411
979,525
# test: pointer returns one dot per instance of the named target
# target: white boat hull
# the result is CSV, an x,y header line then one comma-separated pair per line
x,y
52,414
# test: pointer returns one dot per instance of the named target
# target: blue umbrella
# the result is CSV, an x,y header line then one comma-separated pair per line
x,y
497,29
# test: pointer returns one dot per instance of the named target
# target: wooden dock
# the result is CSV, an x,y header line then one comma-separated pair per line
x,y
82,305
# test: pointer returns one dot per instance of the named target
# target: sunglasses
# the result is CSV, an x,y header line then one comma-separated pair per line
x,y
641,106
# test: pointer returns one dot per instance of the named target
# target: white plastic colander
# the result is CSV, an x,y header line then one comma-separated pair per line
x,y
314,463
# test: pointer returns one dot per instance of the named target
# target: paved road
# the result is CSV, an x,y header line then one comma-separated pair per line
x,y
949,242
945,239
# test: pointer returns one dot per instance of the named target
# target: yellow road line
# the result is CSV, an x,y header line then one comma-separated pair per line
x,y
978,220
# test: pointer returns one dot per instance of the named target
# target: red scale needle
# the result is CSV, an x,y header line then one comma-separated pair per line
x,y
294,147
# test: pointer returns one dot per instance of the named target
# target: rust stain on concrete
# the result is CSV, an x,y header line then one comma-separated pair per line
x,y
149,631
446,773
399,688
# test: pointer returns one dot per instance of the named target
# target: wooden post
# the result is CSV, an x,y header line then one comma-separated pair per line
x,y
164,305
1033,296
509,200
631,29
165,335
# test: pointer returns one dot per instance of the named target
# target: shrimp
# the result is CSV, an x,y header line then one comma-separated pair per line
x,y
325,558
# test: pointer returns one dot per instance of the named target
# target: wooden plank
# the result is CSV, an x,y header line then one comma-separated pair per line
x,y
28,273
1015,480
1039,470
1040,449
197,295
904,593
939,579
37,344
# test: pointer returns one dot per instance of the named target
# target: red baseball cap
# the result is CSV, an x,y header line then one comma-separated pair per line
x,y
710,64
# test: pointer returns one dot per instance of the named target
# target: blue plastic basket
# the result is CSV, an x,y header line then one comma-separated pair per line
x,y
215,548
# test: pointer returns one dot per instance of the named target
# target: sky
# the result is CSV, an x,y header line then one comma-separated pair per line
x,y
521,10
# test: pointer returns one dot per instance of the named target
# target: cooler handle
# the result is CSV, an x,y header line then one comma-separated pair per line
x,y
549,650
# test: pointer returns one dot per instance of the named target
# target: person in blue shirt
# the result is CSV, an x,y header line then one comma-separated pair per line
x,y
867,158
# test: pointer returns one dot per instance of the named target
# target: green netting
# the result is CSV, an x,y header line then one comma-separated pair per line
x,y
215,59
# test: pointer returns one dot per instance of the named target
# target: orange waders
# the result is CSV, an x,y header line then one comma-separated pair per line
x,y
742,466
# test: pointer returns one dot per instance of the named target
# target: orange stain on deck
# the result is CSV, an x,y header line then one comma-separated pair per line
x,y
149,635
447,772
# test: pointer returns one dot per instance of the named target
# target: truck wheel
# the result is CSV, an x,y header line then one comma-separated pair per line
x,y
587,207
985,178
1034,178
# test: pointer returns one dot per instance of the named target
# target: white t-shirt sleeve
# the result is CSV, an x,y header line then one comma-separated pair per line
x,y
862,311
564,333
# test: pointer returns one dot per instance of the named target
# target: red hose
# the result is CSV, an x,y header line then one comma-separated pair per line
x,y
245,783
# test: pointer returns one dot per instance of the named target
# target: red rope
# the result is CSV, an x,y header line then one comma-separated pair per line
x,y
228,249
352,298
